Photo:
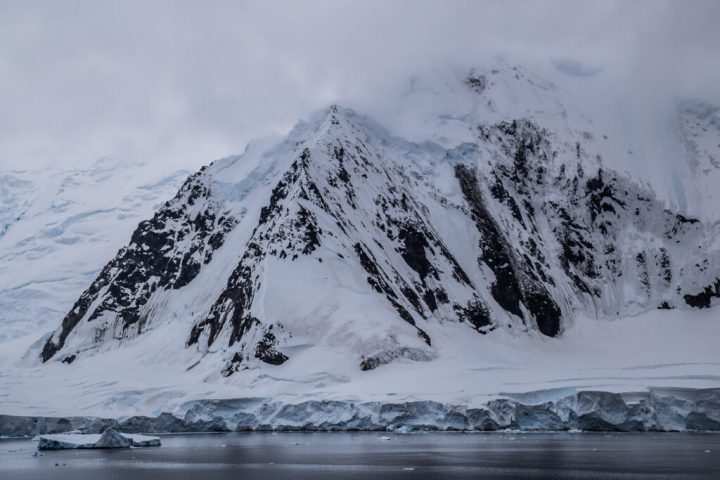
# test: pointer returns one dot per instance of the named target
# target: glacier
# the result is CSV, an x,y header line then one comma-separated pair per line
x,y
58,227
654,410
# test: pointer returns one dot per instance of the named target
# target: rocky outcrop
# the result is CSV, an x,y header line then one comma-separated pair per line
x,y
165,252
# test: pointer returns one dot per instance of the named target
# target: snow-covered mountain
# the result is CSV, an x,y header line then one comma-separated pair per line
x,y
479,234
348,238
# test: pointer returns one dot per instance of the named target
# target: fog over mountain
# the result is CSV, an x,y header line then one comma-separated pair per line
x,y
178,83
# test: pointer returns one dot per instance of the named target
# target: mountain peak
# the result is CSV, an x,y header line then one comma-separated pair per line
x,y
369,248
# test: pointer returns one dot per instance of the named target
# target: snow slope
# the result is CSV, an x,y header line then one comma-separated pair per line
x,y
655,349
57,229
482,245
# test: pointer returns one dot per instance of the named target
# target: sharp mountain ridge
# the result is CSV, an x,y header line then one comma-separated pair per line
x,y
345,237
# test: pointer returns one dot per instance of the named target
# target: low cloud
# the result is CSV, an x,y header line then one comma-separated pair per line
x,y
181,83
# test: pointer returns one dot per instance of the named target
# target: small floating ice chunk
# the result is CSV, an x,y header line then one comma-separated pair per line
x,y
384,438
142,440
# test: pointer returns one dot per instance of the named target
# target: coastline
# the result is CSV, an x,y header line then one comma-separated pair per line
x,y
656,410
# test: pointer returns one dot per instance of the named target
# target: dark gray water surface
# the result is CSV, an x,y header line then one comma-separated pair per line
x,y
299,456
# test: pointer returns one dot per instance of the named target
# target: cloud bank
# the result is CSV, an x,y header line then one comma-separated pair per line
x,y
179,83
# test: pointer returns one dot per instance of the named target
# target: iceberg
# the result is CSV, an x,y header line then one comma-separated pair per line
x,y
110,438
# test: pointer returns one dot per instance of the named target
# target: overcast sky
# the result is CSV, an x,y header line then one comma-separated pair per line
x,y
182,83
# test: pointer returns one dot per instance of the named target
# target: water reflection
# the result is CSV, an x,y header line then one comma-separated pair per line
x,y
367,455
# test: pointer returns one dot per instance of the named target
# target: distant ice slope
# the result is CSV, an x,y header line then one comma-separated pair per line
x,y
57,229
698,124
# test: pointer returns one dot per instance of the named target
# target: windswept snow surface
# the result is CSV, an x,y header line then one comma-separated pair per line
x,y
657,349
350,261
59,227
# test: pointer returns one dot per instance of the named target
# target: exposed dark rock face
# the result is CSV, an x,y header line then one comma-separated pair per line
x,y
165,252
239,294
512,285
69,359
590,217
704,298
265,350
601,197
477,81
477,314
663,262
378,282
413,250
495,250
383,358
